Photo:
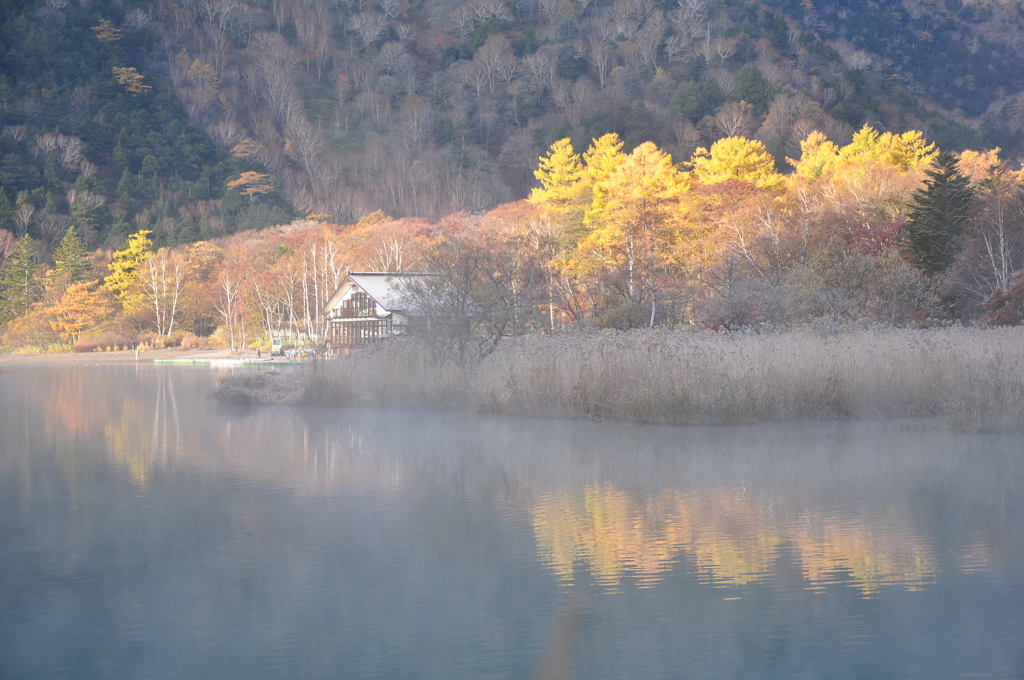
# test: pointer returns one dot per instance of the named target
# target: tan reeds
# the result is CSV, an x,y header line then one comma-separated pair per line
x,y
973,377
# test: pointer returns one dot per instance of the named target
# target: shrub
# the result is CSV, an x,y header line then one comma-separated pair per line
x,y
193,341
155,341
108,341
31,330
1006,307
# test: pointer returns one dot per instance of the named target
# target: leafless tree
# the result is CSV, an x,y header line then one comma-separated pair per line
x,y
606,29
736,119
491,56
136,19
22,218
368,26
163,280
8,244
84,99
704,46
46,145
726,80
549,9
461,22
389,56
488,9
16,132
649,37
992,250
617,14
226,134
87,169
678,48
541,66
838,131
724,48
52,226
774,74
475,74
600,56
307,144
278,65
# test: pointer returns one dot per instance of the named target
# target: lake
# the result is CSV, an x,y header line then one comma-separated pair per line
x,y
147,531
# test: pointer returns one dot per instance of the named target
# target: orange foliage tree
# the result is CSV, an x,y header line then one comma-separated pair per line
x,y
79,308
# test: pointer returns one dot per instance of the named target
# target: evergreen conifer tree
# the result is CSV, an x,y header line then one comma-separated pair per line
x,y
70,259
939,214
5,208
18,287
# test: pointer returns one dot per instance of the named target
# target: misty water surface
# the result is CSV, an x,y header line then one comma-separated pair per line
x,y
148,532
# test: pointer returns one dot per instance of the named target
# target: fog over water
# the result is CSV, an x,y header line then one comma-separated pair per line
x,y
148,532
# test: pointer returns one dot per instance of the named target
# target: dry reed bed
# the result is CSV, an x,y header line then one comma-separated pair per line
x,y
974,377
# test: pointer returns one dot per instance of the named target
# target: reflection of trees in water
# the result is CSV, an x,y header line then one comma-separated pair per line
x,y
870,551
125,438
729,536
78,410
147,432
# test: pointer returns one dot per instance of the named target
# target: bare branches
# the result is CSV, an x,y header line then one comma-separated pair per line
x,y
369,26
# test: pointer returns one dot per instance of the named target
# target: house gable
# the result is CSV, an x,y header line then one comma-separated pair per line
x,y
367,306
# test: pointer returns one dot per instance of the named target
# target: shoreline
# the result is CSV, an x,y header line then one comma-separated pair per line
x,y
973,378
125,356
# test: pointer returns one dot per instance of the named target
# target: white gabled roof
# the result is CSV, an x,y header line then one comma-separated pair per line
x,y
386,288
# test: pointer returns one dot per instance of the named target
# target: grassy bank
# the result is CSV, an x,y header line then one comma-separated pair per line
x,y
972,377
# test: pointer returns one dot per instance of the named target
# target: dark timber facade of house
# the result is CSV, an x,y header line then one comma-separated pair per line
x,y
368,306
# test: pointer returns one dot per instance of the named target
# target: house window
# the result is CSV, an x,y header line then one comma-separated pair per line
x,y
361,332
360,304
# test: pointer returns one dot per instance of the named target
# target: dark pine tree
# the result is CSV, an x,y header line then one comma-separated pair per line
x,y
70,259
18,285
938,215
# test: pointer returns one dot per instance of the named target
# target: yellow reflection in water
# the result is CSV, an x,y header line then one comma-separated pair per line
x,y
75,410
609,531
147,432
869,553
975,558
126,443
728,535
733,540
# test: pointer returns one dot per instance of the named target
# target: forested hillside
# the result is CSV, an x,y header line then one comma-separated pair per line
x,y
95,136
123,113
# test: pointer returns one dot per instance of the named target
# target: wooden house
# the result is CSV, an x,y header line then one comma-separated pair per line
x,y
368,306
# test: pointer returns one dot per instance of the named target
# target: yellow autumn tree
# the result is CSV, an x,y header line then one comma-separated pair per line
x,y
979,165
247,148
252,184
736,159
633,236
869,181
563,197
603,159
559,173
818,156
131,79
124,270
105,32
905,152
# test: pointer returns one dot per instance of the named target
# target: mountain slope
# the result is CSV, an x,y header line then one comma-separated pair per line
x,y
94,136
426,108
